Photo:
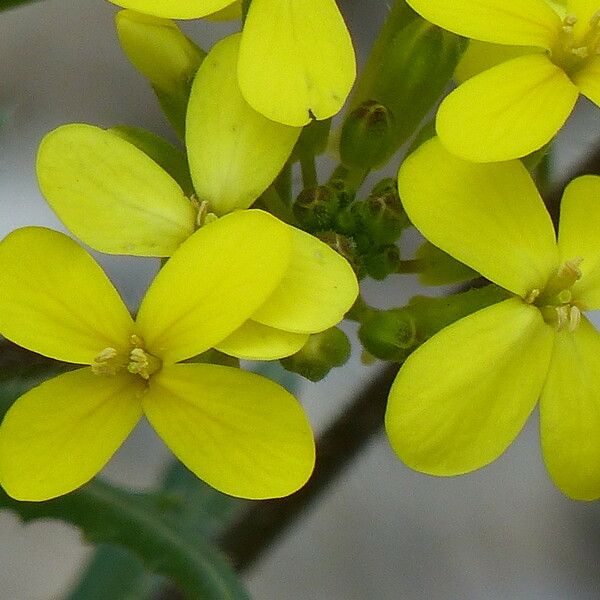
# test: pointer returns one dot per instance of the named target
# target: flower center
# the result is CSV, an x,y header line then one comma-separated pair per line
x,y
570,51
555,301
135,360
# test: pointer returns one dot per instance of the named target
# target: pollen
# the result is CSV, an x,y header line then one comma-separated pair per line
x,y
571,51
136,360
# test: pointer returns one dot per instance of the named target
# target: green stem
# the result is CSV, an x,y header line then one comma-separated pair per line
x,y
309,170
277,207
410,266
360,311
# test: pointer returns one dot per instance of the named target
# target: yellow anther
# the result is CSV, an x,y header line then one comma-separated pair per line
x,y
107,362
532,296
574,318
143,364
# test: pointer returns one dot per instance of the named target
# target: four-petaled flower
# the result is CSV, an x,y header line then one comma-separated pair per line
x,y
296,61
516,107
463,396
240,432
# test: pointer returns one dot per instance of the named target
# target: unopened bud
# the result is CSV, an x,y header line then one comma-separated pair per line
x,y
321,353
367,136
344,246
389,334
316,207
383,262
382,216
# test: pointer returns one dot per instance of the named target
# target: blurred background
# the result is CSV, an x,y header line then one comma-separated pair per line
x,y
381,531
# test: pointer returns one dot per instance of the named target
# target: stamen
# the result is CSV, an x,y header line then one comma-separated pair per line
x,y
142,363
106,362
574,318
532,296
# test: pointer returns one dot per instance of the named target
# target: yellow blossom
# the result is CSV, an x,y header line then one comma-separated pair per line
x,y
241,433
297,60
118,200
463,396
517,106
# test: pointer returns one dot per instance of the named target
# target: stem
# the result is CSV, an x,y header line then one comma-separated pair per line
x,y
309,170
414,265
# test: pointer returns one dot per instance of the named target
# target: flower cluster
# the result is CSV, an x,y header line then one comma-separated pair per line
x,y
240,276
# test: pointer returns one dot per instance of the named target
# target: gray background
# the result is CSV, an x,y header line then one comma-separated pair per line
x,y
383,531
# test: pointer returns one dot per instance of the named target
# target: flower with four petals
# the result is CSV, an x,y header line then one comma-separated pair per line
x,y
517,106
463,396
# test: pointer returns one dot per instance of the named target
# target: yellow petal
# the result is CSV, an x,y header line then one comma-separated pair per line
x,y
488,216
213,283
241,433
235,157
513,22
507,111
55,298
318,289
481,56
584,11
110,194
579,236
587,79
570,413
253,341
59,435
174,9
296,59
230,13
463,396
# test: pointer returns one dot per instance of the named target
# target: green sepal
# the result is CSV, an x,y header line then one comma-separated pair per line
x,y
394,334
439,268
321,353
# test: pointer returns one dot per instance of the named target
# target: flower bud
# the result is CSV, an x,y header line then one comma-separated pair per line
x,y
389,334
367,136
323,351
316,207
382,216
383,262
163,55
411,74
344,246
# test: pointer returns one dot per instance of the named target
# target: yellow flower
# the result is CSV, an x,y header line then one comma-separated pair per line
x,y
118,200
296,61
240,432
516,107
463,396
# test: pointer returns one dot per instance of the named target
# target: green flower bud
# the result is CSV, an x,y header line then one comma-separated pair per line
x,y
316,207
411,75
346,247
383,262
367,136
389,334
163,55
382,215
321,353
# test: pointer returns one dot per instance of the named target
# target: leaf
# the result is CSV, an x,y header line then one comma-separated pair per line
x,y
108,514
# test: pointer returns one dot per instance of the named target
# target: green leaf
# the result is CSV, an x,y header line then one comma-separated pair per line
x,y
142,523
6,4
